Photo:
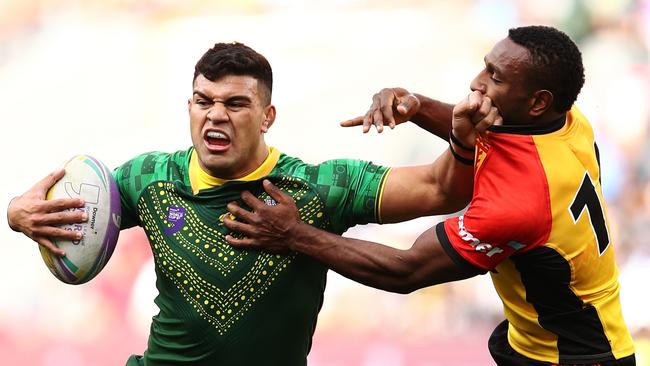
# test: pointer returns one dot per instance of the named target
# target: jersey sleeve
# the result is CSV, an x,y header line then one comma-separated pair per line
x,y
350,189
493,228
510,211
134,175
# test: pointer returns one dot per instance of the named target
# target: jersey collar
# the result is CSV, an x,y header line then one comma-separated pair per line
x,y
200,179
530,129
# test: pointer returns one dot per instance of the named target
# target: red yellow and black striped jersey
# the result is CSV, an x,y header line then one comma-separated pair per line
x,y
537,221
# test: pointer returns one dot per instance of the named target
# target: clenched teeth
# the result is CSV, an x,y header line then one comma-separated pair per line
x,y
216,135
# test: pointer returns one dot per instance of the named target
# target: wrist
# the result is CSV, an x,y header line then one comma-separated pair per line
x,y
304,238
11,225
294,234
463,145
460,152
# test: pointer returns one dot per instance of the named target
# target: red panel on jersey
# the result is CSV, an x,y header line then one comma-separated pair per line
x,y
510,209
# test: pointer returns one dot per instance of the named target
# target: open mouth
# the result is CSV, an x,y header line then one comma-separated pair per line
x,y
216,140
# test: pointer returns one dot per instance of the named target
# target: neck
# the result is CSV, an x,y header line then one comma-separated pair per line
x,y
546,119
202,179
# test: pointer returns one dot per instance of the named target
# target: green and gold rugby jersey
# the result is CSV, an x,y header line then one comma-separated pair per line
x,y
225,306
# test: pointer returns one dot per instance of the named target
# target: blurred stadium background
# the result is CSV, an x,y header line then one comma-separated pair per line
x,y
111,78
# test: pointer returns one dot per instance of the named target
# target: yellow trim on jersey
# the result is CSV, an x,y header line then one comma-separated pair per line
x,y
200,179
381,195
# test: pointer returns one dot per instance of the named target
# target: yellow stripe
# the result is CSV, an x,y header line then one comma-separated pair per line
x,y
200,179
381,195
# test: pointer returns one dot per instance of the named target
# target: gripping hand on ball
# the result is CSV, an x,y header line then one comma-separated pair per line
x,y
40,219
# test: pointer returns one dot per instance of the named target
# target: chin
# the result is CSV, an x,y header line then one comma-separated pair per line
x,y
216,165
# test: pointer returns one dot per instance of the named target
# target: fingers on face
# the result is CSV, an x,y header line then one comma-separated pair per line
x,y
474,100
483,111
487,116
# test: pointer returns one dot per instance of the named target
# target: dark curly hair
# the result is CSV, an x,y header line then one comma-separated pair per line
x,y
556,62
235,59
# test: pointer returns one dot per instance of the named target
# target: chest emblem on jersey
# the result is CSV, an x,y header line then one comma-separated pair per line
x,y
176,217
197,266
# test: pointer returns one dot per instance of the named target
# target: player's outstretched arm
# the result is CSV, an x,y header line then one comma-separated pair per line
x,y
38,218
392,106
279,228
446,185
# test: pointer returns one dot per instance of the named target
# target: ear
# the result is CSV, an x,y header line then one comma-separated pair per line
x,y
269,118
189,104
541,102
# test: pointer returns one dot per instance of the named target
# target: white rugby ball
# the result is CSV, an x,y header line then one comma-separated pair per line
x,y
89,179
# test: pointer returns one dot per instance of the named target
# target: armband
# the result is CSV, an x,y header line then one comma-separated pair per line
x,y
460,159
457,142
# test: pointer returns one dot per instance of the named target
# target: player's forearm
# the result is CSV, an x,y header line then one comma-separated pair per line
x,y
434,116
455,179
365,262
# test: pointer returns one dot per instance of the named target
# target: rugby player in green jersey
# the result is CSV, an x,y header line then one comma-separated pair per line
x,y
225,306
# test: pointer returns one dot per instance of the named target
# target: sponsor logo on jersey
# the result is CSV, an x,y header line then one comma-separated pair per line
x,y
176,217
475,242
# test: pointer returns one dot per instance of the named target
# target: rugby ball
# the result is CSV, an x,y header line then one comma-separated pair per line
x,y
89,179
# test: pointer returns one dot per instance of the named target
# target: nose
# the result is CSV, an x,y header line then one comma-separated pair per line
x,y
478,83
218,113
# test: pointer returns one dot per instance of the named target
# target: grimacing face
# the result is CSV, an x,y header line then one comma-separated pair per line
x,y
504,80
228,119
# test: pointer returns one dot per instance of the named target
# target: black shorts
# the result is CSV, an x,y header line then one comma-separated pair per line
x,y
504,355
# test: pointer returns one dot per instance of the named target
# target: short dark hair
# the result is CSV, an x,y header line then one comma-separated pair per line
x,y
235,58
556,62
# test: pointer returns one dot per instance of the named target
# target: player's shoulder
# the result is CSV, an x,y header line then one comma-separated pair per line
x,y
155,163
340,166
288,164
161,157
579,123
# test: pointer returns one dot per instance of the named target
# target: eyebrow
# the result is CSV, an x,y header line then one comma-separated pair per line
x,y
201,95
233,98
491,65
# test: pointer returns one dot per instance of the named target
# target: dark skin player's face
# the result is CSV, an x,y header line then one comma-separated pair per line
x,y
504,80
